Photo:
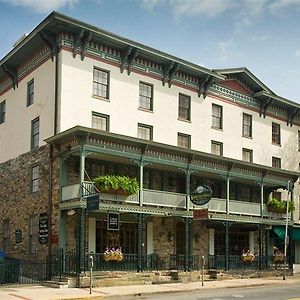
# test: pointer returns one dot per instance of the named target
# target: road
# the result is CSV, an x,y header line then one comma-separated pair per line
x,y
280,292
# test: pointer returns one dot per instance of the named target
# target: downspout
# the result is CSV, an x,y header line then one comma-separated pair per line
x,y
50,194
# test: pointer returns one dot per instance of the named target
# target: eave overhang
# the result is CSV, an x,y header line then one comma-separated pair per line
x,y
56,23
80,131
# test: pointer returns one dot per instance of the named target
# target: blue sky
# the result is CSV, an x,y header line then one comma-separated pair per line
x,y
262,35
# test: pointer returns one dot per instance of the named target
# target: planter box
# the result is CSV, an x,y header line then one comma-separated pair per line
x,y
276,209
116,192
113,257
248,258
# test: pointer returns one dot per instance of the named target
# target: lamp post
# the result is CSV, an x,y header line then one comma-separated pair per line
x,y
286,239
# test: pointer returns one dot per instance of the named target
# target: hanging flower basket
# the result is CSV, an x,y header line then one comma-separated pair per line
x,y
278,258
112,254
248,257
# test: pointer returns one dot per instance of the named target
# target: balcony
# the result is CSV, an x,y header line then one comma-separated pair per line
x,y
169,200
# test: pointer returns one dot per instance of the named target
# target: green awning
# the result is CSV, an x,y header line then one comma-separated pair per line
x,y
296,234
280,231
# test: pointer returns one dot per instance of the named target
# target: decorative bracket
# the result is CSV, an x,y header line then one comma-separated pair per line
x,y
77,42
169,73
127,58
204,84
85,40
13,74
291,116
264,107
50,40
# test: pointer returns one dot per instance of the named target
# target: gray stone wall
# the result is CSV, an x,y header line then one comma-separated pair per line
x,y
18,202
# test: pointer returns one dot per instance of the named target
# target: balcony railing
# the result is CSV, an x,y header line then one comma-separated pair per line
x,y
169,199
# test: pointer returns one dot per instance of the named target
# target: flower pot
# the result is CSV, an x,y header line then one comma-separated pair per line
x,y
116,192
276,209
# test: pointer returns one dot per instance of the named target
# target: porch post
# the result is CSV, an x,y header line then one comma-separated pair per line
x,y
227,224
261,199
80,240
187,249
228,194
81,171
141,194
261,230
140,241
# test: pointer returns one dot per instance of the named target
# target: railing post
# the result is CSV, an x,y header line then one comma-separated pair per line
x,y
140,242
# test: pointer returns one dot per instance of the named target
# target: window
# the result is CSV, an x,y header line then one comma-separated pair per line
x,y
30,92
146,96
247,125
217,116
276,195
184,107
34,179
145,132
35,133
33,234
5,234
100,121
276,162
247,155
101,83
217,148
275,133
2,111
184,140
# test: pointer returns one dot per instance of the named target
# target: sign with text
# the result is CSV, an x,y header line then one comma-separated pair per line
x,y
201,195
113,221
92,202
43,228
200,214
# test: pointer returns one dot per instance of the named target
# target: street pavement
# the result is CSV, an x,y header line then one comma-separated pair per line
x,y
45,293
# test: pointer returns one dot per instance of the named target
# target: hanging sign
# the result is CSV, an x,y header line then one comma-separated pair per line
x,y
43,228
113,221
92,202
201,195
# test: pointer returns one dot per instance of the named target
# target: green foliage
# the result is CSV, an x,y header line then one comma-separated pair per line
x,y
280,205
115,182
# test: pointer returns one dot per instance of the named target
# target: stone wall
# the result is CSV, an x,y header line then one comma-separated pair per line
x,y
19,203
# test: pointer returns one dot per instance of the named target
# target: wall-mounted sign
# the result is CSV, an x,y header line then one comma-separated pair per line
x,y
18,235
92,202
43,228
113,221
201,195
200,214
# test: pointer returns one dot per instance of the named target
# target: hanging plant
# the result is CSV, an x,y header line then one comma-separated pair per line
x,y
116,184
279,206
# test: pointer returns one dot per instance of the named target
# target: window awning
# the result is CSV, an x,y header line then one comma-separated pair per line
x,y
280,231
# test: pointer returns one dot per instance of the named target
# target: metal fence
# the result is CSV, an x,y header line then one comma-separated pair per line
x,y
16,271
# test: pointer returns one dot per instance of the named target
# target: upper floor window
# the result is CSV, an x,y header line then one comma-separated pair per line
x,y
184,140
145,132
247,155
184,107
276,133
35,133
100,121
2,111
146,96
101,83
35,178
276,162
247,125
217,116
217,148
30,92
5,235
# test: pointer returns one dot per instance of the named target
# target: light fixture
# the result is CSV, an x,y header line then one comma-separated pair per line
x,y
71,212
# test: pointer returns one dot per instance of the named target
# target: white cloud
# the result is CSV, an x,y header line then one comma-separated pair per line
x,y
280,5
41,6
150,4
297,53
227,50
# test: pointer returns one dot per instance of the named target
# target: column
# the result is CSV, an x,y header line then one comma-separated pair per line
x,y
261,232
141,194
81,171
80,240
227,224
187,244
92,235
62,230
188,188
261,199
140,240
228,194
211,245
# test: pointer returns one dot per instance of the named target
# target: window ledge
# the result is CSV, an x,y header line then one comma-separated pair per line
x,y
278,145
216,128
146,110
100,98
184,120
247,137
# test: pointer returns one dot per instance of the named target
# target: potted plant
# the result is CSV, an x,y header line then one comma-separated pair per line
x,y
279,206
247,256
115,184
278,256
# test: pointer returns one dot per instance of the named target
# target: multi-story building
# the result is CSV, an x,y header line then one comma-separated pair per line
x,y
77,102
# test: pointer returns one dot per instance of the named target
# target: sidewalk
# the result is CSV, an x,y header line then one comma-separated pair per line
x,y
45,293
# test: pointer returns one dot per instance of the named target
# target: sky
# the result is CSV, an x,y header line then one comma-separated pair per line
x,y
262,35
